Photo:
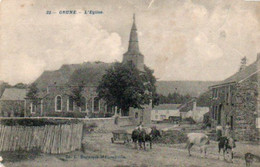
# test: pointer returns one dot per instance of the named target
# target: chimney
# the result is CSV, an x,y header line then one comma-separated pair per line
x,y
243,64
258,57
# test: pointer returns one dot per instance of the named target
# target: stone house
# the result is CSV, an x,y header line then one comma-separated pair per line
x,y
235,101
12,102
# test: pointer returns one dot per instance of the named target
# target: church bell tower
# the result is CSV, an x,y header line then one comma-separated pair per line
x,y
133,54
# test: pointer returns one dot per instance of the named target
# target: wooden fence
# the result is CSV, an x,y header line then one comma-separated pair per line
x,y
53,139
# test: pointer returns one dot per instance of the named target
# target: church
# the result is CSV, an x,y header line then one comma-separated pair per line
x,y
55,98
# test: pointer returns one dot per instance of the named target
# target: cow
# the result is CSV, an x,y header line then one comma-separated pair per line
x,y
199,139
155,133
249,158
226,144
141,137
1,159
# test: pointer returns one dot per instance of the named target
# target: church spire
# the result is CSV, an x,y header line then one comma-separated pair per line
x,y
133,47
133,54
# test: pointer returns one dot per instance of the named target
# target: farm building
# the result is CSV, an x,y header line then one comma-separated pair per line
x,y
165,112
191,110
235,101
12,102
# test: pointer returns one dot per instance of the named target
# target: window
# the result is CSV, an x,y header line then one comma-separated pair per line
x,y
213,112
219,114
83,106
96,104
32,108
136,115
215,93
216,112
109,108
70,104
156,116
58,103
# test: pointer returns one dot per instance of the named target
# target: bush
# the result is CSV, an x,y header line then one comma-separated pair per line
x,y
37,122
172,137
67,114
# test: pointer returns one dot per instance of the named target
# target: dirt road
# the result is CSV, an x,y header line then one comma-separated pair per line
x,y
101,152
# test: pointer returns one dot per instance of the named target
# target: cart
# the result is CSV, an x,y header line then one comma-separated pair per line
x,y
121,136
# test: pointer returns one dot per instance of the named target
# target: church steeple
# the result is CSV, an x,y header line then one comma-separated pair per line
x,y
133,54
133,46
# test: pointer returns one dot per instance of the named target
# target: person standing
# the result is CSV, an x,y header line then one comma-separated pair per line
x,y
227,130
219,130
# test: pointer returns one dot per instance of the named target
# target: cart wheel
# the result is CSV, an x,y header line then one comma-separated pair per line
x,y
112,140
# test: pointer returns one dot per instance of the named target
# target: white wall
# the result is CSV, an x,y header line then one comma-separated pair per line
x,y
197,115
160,115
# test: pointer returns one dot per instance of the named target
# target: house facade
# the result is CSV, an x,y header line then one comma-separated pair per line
x,y
191,110
59,99
165,112
235,101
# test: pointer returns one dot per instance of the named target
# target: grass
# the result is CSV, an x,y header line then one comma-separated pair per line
x,y
17,156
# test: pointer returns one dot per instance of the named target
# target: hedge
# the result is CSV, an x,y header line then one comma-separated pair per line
x,y
37,122
67,114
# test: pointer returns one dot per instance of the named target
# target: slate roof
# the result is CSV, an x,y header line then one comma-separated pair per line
x,y
13,94
240,75
167,107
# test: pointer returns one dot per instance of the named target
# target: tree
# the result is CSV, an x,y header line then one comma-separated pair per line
x,y
204,100
3,86
33,93
77,96
21,86
174,98
124,86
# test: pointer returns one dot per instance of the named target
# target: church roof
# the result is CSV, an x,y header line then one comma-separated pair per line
x,y
133,47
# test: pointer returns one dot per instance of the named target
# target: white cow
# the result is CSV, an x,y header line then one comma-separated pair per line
x,y
1,159
199,139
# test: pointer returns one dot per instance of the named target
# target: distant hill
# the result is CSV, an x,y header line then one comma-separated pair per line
x,y
193,88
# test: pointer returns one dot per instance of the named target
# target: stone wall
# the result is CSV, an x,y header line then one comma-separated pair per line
x,y
239,108
141,115
246,110
106,125
224,104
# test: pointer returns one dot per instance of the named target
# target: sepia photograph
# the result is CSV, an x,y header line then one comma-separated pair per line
x,y
129,83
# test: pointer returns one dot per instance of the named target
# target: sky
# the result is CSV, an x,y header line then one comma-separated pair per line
x,y
180,39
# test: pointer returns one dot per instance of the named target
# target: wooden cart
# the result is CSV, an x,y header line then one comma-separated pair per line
x,y
121,136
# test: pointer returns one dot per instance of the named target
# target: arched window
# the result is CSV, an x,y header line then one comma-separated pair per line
x,y
96,104
83,106
70,104
58,103
109,108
